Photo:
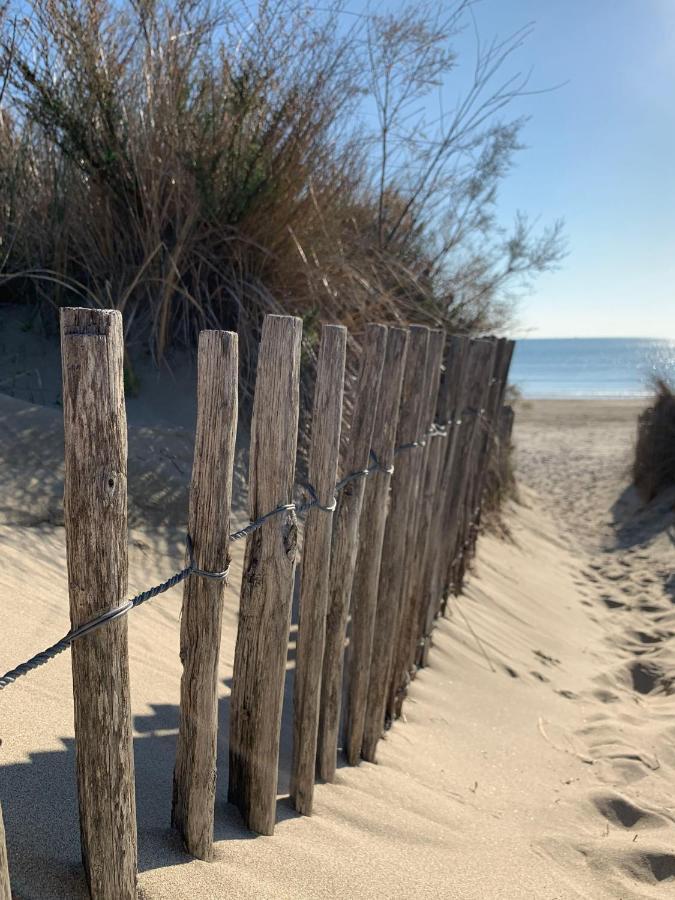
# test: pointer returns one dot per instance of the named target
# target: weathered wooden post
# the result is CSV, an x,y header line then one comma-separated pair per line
x,y
449,401
5,890
345,543
194,777
418,527
267,582
506,419
502,363
487,436
394,552
478,389
316,551
95,500
371,534
468,398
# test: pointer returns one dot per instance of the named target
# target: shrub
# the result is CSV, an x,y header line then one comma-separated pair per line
x,y
654,463
199,165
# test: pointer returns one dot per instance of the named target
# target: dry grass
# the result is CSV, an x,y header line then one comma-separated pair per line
x,y
654,462
199,165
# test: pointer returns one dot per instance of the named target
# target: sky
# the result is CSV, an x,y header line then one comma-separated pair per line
x,y
600,154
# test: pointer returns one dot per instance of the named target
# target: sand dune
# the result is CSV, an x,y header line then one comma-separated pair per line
x,y
536,757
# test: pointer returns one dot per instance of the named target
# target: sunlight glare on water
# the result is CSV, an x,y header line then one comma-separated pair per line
x,y
591,367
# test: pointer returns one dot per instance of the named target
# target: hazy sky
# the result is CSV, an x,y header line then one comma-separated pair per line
x,y
601,154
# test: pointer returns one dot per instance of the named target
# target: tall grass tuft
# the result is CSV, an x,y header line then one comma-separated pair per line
x,y
197,164
654,462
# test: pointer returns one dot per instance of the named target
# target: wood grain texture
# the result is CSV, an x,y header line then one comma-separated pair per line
x,y
5,890
470,504
449,401
316,552
344,545
506,368
194,777
95,501
371,536
473,424
503,356
486,440
419,523
505,431
424,568
453,473
395,552
267,580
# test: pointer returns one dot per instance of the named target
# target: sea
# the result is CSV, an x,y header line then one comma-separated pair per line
x,y
591,367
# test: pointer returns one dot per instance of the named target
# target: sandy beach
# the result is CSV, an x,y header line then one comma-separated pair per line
x,y
536,756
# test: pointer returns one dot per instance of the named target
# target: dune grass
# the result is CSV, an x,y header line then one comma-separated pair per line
x,y
654,461
199,165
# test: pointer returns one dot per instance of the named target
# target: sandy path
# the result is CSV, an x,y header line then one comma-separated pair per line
x,y
538,763
577,458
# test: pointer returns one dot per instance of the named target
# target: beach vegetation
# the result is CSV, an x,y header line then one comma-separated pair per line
x,y
654,460
197,165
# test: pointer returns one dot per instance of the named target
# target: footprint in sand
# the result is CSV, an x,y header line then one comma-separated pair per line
x,y
645,677
568,695
629,871
651,866
622,812
605,696
546,658
651,608
645,637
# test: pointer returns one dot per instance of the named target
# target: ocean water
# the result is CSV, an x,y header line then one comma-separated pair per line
x,y
591,367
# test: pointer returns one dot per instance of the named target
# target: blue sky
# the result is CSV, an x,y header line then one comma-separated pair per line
x,y
600,154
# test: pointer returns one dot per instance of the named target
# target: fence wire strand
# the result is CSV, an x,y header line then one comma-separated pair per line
x,y
44,656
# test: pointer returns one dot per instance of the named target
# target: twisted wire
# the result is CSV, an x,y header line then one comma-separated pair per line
x,y
117,612
50,653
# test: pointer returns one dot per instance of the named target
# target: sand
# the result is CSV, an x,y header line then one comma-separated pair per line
x,y
536,757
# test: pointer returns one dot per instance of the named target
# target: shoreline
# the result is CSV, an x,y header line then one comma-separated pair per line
x,y
629,398
568,413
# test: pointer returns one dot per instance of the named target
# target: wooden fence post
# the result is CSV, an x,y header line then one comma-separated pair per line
x,y
95,500
267,581
322,472
449,401
502,363
468,399
479,386
483,442
194,777
5,890
345,544
371,535
418,528
507,359
394,551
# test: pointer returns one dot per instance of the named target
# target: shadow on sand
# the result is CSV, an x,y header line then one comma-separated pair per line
x,y
636,522
43,837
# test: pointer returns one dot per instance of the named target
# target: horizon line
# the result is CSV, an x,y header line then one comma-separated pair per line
x,y
591,337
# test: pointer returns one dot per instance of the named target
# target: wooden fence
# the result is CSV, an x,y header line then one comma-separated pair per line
x,y
391,530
